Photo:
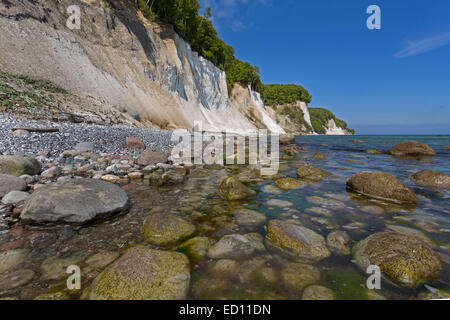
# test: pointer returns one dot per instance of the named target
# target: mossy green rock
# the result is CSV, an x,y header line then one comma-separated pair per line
x,y
288,183
406,260
312,174
162,228
60,295
339,242
295,241
232,189
143,274
381,185
195,248
412,148
432,179
17,165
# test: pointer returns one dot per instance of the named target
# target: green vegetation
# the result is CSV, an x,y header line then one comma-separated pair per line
x,y
296,115
282,94
320,117
36,93
199,31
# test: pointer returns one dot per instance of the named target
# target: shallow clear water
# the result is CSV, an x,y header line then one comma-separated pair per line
x,y
350,212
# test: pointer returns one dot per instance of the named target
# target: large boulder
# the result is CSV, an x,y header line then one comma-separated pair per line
x,y
18,165
405,260
295,241
149,157
143,274
412,149
431,178
381,185
312,174
163,228
77,201
231,189
286,139
11,183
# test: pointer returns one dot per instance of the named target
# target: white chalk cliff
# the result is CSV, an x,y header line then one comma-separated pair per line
x,y
131,65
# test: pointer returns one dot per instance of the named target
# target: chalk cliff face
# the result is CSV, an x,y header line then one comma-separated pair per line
x,y
134,66
139,70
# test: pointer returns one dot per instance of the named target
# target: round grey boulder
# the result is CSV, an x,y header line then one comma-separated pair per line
x,y
10,183
76,201
18,165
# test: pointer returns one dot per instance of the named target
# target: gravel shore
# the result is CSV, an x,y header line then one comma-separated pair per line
x,y
106,139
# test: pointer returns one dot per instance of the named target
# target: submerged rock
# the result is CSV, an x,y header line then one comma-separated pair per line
x,y
233,246
163,228
312,174
77,201
249,218
404,259
318,293
381,185
12,258
17,165
412,148
431,178
55,268
288,183
296,276
11,183
295,241
339,242
143,274
232,189
15,279
320,156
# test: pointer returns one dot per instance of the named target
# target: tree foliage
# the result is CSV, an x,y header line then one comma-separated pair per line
x,y
320,117
282,94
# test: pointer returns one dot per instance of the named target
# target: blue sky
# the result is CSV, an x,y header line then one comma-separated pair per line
x,y
393,80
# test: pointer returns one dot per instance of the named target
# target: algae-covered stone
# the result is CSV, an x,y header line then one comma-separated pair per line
x,y
296,276
12,258
312,174
143,274
195,248
412,148
288,183
339,242
232,189
233,246
77,201
381,185
18,165
431,178
411,232
295,241
318,293
320,156
404,259
163,228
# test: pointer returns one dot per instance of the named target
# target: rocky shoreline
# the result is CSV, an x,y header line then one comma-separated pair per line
x,y
121,212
